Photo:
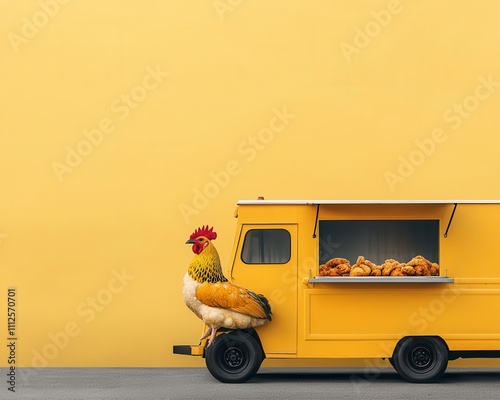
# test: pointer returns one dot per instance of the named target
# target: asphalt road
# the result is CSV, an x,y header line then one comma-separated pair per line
x,y
197,383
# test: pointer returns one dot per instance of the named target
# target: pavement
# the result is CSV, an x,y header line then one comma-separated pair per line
x,y
269,383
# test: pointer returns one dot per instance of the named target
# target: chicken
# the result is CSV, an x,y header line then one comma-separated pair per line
x,y
215,300
335,267
362,267
389,266
418,266
422,266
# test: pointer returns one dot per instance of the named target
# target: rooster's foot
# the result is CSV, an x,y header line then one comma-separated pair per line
x,y
206,334
212,336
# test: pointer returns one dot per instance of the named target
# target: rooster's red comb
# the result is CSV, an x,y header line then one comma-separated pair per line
x,y
204,231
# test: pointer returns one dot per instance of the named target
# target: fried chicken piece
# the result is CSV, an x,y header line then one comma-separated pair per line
x,y
371,265
407,270
336,261
422,270
376,269
335,267
422,266
398,271
341,270
388,266
324,270
362,267
434,269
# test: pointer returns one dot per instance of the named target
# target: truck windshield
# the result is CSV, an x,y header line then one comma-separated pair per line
x,y
378,240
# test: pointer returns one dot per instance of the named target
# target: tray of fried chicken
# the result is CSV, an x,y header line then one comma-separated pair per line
x,y
417,266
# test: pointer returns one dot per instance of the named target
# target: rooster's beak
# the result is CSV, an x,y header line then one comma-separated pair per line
x,y
190,241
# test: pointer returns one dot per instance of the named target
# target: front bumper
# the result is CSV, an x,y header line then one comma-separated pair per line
x,y
189,349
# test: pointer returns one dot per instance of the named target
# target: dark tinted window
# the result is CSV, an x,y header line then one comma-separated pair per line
x,y
266,246
379,240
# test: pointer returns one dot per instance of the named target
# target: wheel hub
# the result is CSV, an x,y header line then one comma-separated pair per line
x,y
233,357
421,357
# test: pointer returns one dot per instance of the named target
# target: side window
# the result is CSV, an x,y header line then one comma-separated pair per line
x,y
266,246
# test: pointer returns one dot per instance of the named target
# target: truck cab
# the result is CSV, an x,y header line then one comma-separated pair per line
x,y
417,321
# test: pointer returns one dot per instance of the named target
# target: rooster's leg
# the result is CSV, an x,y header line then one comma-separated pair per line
x,y
212,336
206,334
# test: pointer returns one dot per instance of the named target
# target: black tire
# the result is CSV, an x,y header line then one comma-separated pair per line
x,y
391,360
421,359
234,357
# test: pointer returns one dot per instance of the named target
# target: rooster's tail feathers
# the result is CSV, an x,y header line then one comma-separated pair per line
x,y
263,302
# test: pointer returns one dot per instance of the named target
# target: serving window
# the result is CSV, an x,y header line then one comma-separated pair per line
x,y
378,240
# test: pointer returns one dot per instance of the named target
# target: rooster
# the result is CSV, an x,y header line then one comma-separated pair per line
x,y
215,300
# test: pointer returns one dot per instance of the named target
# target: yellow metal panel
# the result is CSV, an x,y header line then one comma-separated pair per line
x,y
278,282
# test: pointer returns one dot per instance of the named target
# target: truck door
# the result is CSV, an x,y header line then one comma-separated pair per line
x,y
266,262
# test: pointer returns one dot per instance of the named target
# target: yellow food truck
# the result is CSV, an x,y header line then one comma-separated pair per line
x,y
291,252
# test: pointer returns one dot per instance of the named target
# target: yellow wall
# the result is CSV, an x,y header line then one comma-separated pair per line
x,y
127,124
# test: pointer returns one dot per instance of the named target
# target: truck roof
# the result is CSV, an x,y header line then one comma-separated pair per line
x,y
317,202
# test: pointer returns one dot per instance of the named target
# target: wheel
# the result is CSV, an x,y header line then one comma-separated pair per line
x,y
421,359
234,357
391,360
